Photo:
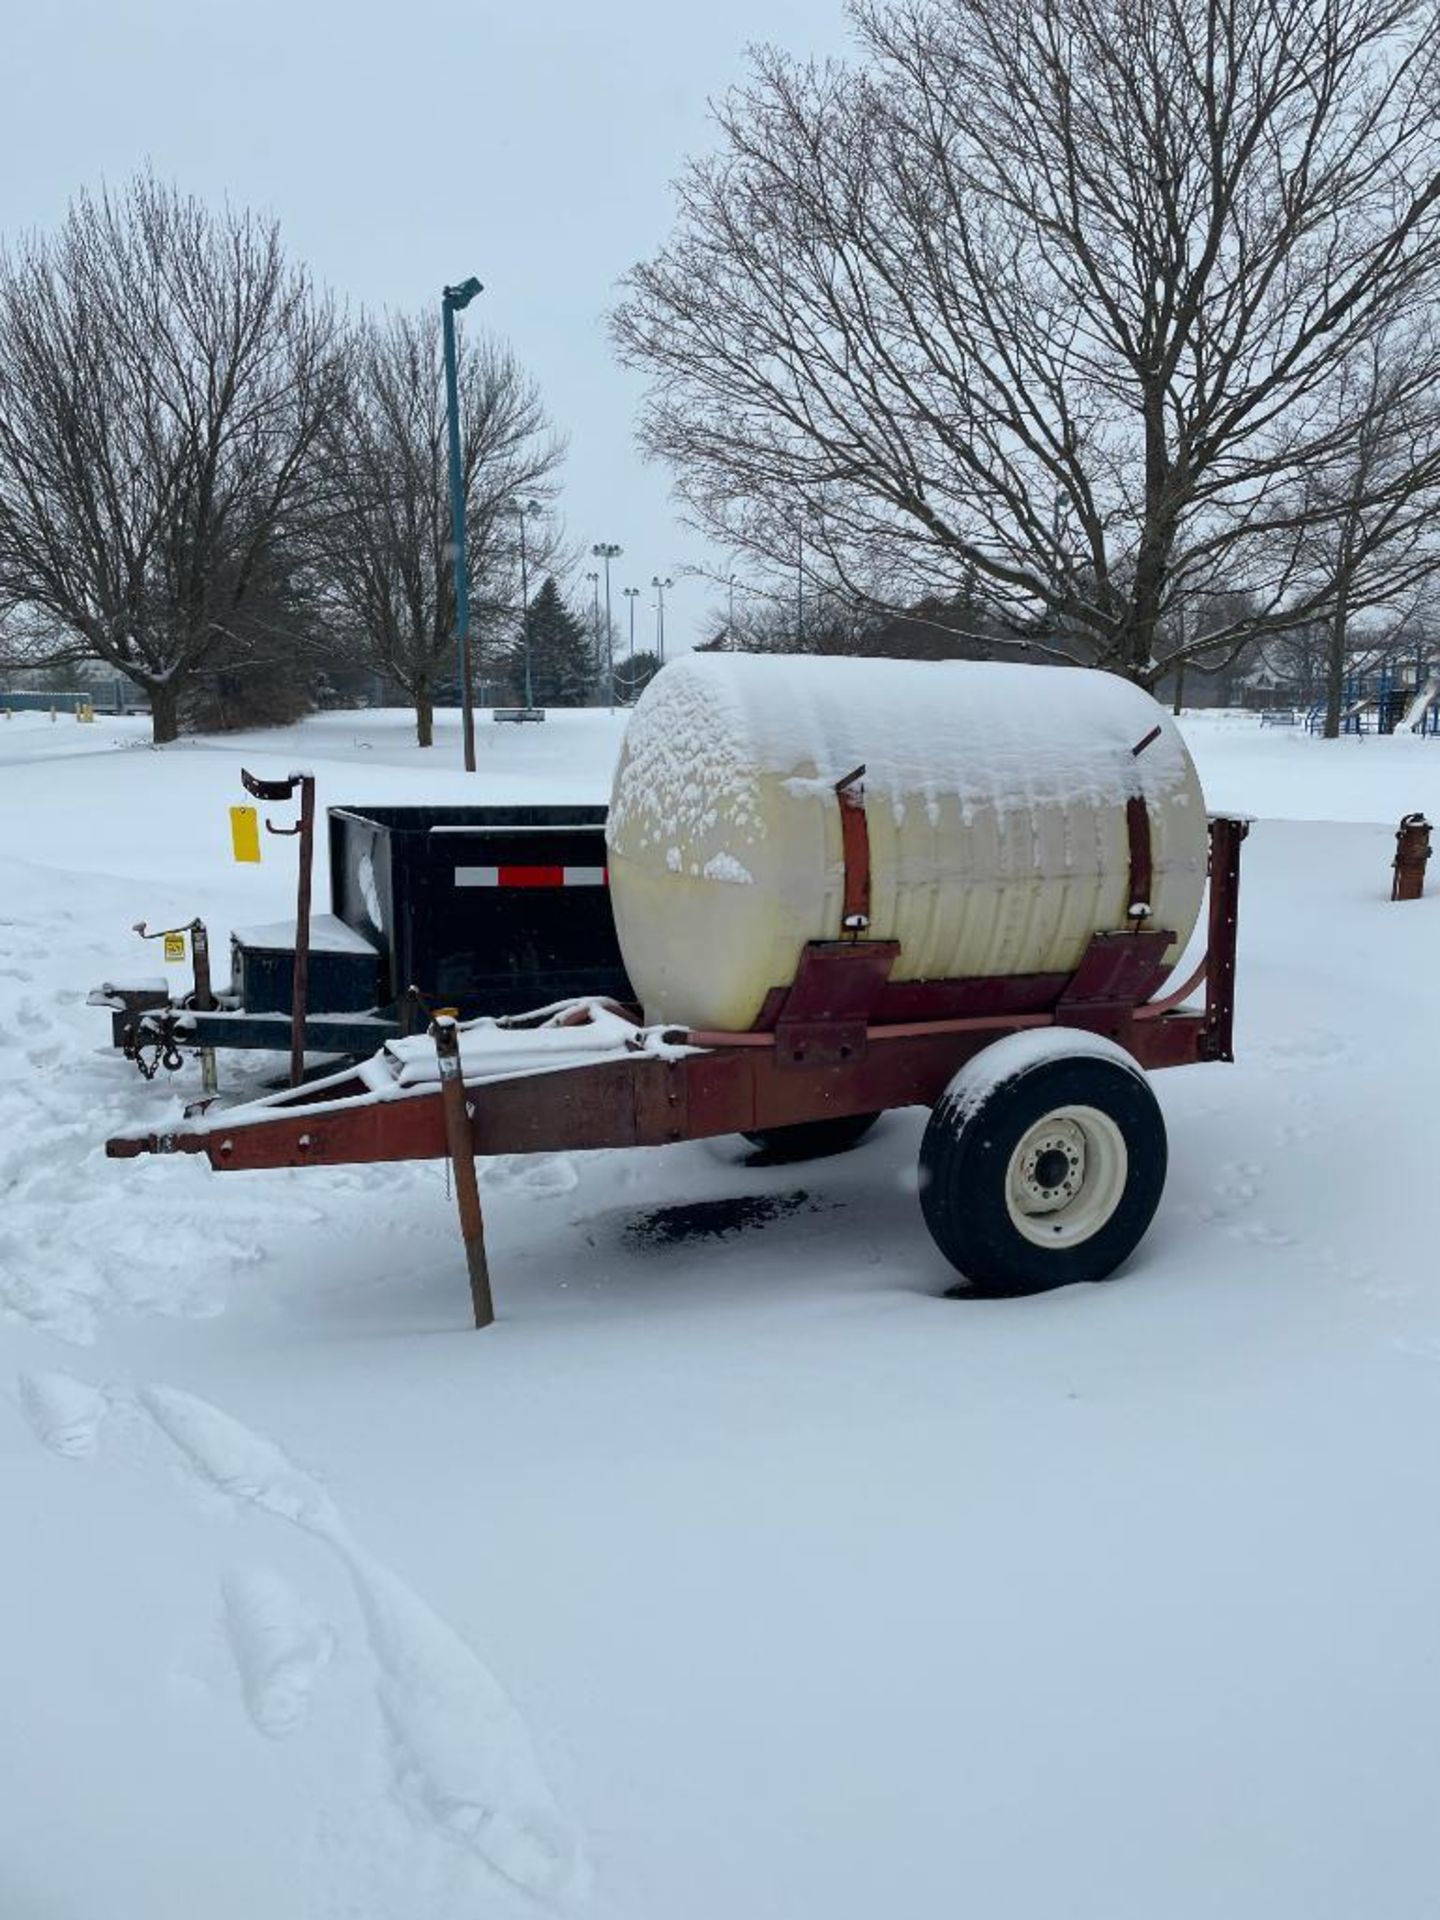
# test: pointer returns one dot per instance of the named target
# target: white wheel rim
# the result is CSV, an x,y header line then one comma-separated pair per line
x,y
1066,1177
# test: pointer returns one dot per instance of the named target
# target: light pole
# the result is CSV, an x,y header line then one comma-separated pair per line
x,y
606,551
453,299
632,594
800,586
660,585
594,579
522,510
730,629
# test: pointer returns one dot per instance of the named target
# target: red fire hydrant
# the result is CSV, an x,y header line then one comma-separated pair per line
x,y
1412,851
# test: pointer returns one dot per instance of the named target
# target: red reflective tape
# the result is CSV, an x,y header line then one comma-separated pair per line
x,y
532,876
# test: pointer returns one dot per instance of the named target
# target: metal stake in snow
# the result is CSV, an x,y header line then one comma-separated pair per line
x,y
305,828
1412,853
460,1144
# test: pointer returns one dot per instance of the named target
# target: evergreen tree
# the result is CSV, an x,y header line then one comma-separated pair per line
x,y
562,669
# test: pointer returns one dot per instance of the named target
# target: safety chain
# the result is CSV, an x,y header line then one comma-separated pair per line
x,y
161,1035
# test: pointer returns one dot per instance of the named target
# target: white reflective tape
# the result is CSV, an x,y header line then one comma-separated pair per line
x,y
584,876
477,876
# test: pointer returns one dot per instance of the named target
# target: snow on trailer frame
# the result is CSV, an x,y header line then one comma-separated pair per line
x,y
1045,1166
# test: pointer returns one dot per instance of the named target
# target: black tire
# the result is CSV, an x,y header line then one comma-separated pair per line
x,y
812,1139
973,1198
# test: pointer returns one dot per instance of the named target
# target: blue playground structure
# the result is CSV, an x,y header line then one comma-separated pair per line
x,y
1389,699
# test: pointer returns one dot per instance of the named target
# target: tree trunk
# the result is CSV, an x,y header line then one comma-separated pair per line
x,y
164,714
1335,668
424,715
1179,687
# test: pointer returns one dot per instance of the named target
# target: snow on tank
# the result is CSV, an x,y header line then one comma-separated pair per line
x,y
995,799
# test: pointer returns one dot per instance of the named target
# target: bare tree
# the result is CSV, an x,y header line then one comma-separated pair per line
x,y
384,559
1366,516
163,374
1052,292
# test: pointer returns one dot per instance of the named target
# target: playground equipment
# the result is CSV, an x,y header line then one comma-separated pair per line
x,y
993,820
1389,700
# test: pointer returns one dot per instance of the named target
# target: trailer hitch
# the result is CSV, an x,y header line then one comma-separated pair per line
x,y
159,1031
163,1027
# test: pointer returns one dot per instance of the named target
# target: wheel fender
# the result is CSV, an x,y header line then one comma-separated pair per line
x,y
1005,1060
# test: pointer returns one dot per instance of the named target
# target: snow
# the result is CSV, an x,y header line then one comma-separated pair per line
x,y
735,1571
1017,1053
327,935
711,727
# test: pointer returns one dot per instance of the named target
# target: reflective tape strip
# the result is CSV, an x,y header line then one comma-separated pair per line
x,y
532,877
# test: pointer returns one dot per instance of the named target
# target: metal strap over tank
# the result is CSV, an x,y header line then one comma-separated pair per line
x,y
855,846
1142,859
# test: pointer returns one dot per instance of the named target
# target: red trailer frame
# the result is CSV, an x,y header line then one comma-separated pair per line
x,y
843,1039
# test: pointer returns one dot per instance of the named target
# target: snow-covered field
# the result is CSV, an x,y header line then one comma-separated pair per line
x,y
730,1575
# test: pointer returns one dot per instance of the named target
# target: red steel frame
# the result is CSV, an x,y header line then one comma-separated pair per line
x,y
828,1046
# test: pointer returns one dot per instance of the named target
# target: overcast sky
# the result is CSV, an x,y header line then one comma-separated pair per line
x,y
409,144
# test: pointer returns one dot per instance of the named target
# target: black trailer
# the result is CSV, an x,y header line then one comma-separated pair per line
x,y
481,909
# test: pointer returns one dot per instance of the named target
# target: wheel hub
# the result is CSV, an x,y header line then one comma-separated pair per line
x,y
1066,1177
1052,1167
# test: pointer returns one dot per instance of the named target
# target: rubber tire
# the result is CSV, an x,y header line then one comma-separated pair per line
x,y
812,1139
965,1156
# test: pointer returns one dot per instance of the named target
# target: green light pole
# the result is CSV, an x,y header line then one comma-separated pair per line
x,y
453,300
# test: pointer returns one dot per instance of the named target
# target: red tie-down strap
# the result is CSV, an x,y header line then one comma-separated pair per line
x,y
855,847
532,876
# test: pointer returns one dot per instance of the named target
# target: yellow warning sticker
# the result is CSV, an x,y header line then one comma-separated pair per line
x,y
174,948
245,833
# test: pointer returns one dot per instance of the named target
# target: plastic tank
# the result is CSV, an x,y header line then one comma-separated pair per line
x,y
995,800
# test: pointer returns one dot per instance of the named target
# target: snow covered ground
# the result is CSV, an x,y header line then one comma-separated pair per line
x,y
733,1573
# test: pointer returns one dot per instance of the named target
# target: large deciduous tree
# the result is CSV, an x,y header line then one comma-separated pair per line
x,y
385,560
1054,296
164,371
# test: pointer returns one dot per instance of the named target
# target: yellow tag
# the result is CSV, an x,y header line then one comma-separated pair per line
x,y
174,948
245,833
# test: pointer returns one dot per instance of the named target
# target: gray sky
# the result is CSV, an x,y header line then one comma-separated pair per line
x,y
409,144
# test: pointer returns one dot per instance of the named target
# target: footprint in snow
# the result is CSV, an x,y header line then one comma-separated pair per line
x,y
64,1414
280,1648
463,1758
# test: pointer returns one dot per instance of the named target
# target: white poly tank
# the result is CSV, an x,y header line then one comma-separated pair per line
x,y
995,800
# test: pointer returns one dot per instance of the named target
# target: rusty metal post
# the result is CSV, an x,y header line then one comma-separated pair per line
x,y
1226,838
459,1141
204,1001
300,998
1412,852
305,827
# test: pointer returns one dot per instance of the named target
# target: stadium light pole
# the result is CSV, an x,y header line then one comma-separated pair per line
x,y
606,551
522,510
594,579
454,300
660,586
632,594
